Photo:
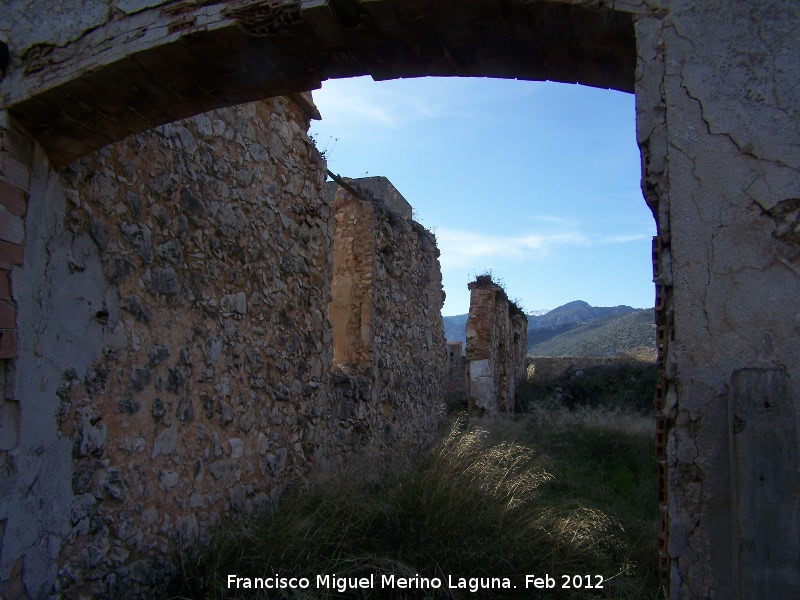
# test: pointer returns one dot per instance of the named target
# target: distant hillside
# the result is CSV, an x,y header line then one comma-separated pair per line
x,y
633,332
579,329
455,328
575,312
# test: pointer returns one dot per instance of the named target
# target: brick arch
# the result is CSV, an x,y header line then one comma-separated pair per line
x,y
169,62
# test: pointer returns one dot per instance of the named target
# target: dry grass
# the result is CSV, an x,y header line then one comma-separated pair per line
x,y
503,499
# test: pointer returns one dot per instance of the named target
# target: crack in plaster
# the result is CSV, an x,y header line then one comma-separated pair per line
x,y
766,46
744,150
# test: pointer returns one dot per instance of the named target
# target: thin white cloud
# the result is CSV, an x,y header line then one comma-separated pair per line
x,y
461,248
550,219
360,102
465,248
363,102
622,239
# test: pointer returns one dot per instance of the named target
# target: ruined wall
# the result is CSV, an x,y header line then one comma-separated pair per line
x,y
717,114
351,307
210,393
175,352
382,191
455,384
718,108
455,364
496,344
519,348
397,349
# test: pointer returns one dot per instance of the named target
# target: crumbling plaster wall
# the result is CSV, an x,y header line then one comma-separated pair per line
x,y
36,482
717,121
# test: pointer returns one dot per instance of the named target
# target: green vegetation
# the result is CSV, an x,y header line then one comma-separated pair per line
x,y
555,491
626,387
604,336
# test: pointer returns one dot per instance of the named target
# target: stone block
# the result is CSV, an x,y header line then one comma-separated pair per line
x,y
12,140
5,285
9,424
8,315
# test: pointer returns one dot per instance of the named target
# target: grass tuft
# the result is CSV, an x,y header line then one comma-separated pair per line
x,y
555,492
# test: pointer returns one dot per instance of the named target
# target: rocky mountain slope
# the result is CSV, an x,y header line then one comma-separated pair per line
x,y
579,329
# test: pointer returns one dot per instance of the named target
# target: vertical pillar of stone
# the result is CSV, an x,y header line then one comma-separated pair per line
x,y
351,307
496,346
481,350
519,340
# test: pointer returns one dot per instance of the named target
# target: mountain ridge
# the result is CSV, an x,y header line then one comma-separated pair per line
x,y
579,329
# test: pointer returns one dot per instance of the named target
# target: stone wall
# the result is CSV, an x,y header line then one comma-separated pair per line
x,y
177,354
386,311
455,384
351,307
496,346
211,393
382,191
455,364
519,348
718,109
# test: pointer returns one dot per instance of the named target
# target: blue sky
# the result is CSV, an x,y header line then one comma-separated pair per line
x,y
537,182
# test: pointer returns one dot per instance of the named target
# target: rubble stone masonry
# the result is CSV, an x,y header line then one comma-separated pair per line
x,y
386,311
211,392
496,347
181,350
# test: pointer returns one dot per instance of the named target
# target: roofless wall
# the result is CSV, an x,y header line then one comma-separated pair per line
x,y
717,107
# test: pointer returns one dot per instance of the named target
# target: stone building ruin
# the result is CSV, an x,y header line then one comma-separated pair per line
x,y
385,308
496,347
717,112
189,366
